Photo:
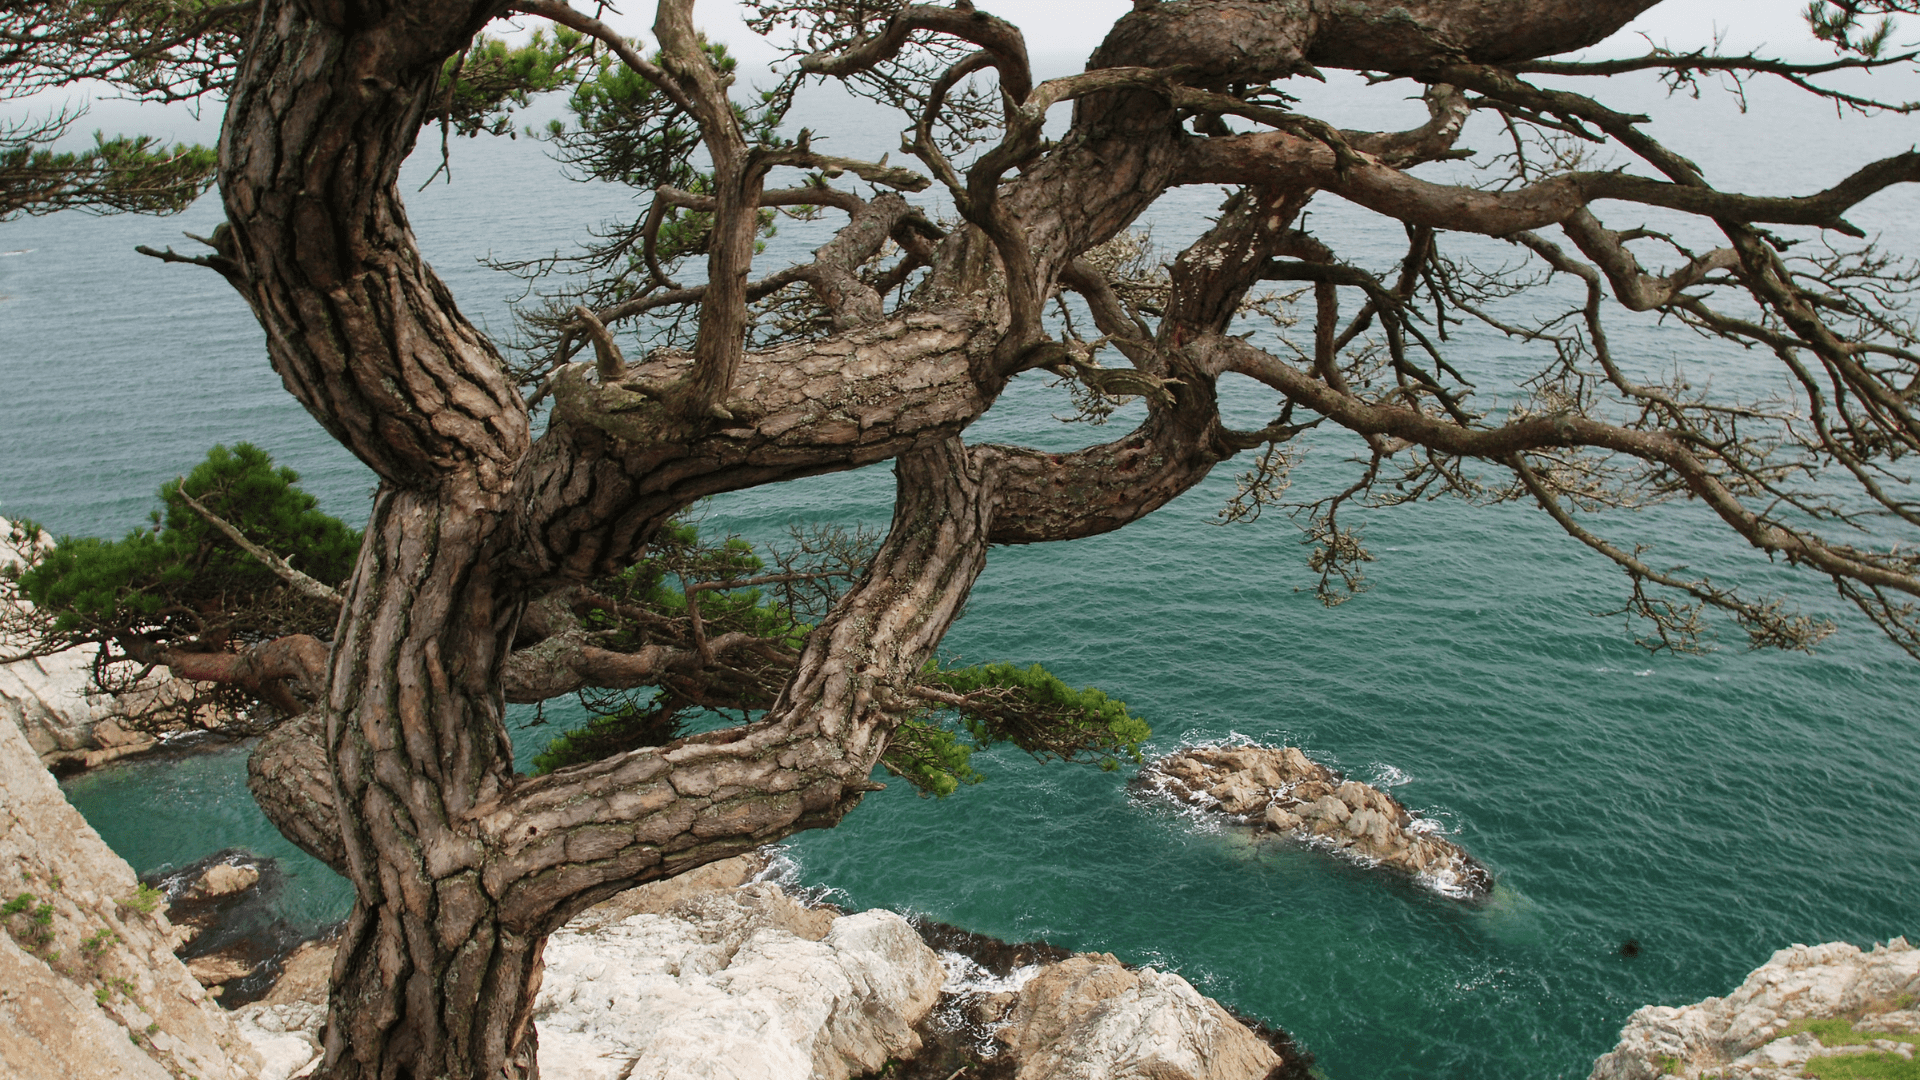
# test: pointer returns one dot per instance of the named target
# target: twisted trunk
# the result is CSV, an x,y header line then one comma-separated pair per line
x,y
461,868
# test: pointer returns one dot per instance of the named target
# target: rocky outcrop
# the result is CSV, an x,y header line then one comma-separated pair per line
x,y
1091,1017
89,986
49,699
1807,1002
743,983
1281,790
707,975
714,975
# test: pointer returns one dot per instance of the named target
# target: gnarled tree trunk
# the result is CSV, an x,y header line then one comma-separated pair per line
x,y
460,867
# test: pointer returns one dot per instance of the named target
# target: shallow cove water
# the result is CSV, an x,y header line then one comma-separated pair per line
x,y
1714,808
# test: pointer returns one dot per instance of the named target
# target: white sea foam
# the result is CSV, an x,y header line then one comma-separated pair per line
x,y
966,976
783,870
1389,776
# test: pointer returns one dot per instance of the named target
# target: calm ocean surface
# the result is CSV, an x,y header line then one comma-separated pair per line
x,y
1715,808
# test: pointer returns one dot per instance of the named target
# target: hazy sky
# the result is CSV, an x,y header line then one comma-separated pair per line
x,y
1059,33
1073,27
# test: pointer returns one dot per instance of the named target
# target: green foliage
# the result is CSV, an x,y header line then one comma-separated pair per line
x,y
480,88
127,174
1872,1065
626,130
934,759
1843,24
183,576
38,931
1030,708
658,582
144,899
1839,1031
629,727
97,942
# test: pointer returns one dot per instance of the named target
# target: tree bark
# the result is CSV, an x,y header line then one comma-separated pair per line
x,y
460,868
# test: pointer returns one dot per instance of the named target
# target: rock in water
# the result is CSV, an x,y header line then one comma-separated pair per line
x,y
1089,1017
222,879
1806,1002
1280,790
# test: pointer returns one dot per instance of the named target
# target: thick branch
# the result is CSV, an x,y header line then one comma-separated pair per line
x,y
1277,157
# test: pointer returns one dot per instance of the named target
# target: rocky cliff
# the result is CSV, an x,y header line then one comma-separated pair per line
x,y
1824,1010
48,699
89,986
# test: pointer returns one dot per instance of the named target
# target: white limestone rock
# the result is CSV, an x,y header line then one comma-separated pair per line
x,y
1089,1017
745,984
1740,1036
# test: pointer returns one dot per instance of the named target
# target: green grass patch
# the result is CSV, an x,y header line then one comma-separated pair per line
x,y
1838,1031
1879,1065
144,900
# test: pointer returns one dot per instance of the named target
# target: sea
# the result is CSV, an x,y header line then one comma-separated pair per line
x,y
1713,808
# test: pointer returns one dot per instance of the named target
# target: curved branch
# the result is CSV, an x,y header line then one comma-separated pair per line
x,y
995,35
1277,157
1555,430
566,840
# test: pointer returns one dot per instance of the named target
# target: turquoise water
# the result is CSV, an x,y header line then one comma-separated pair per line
x,y
1714,808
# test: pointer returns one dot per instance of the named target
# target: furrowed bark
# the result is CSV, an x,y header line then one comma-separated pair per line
x,y
460,867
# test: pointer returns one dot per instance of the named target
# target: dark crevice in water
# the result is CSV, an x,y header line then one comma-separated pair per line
x,y
238,930
956,1040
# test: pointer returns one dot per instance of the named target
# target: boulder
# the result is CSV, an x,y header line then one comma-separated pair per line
x,y
1280,790
741,983
1092,1018
1804,1003
223,879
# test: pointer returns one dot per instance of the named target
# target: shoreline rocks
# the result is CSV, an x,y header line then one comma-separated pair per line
x,y
89,986
720,974
1280,790
224,908
1034,1011
1804,1003
70,728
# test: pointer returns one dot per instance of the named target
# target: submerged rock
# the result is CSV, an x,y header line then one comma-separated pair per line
x,y
1281,790
225,905
1829,1000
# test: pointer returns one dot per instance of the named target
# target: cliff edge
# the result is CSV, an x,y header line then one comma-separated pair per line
x,y
89,986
